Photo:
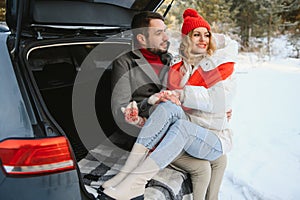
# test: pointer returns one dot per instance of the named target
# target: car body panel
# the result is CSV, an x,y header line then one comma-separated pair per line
x,y
14,118
46,187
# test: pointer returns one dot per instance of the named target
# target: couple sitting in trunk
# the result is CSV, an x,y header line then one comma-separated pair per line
x,y
180,112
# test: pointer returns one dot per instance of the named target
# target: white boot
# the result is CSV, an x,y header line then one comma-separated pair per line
x,y
133,186
137,154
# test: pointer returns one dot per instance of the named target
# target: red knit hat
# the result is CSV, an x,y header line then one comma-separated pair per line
x,y
192,20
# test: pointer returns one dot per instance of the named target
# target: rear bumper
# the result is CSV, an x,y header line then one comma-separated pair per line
x,y
60,186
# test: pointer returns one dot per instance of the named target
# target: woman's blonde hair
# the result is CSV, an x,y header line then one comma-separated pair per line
x,y
185,47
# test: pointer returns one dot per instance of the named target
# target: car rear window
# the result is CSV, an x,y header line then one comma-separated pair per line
x,y
131,4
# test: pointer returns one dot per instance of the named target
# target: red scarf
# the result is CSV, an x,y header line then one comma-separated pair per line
x,y
199,77
153,59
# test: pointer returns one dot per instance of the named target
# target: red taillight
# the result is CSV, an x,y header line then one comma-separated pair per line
x,y
36,156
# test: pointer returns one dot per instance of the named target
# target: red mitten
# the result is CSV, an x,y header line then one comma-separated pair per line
x,y
131,114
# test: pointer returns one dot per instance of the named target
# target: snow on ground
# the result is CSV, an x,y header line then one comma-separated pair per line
x,y
265,161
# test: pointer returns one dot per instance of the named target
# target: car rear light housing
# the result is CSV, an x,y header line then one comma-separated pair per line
x,y
36,156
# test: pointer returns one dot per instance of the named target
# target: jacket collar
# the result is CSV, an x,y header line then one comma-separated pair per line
x,y
146,67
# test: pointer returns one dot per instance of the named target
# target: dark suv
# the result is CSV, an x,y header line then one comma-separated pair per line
x,y
41,56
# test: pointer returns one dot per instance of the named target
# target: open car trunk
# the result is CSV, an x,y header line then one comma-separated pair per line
x,y
54,69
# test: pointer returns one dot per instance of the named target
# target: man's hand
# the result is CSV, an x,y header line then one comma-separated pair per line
x,y
131,114
163,96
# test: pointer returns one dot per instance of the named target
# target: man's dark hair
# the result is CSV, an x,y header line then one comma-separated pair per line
x,y
141,21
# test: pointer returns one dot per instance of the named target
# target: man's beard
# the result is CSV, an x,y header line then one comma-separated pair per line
x,y
159,51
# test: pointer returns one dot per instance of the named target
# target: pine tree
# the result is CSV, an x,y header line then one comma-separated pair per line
x,y
291,16
246,19
291,24
270,12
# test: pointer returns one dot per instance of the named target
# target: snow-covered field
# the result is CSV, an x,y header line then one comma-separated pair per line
x,y
265,161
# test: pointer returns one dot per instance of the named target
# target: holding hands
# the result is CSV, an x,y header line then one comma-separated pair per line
x,y
165,95
131,112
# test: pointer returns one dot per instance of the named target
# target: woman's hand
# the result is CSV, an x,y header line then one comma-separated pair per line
x,y
163,96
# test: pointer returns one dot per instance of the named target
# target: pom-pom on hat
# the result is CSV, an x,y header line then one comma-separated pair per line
x,y
192,20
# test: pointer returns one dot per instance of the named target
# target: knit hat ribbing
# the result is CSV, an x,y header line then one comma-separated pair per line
x,y
192,20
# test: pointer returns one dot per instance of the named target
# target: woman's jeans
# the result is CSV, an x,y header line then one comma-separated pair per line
x,y
169,126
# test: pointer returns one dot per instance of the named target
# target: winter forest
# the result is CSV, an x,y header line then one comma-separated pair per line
x,y
255,24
